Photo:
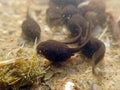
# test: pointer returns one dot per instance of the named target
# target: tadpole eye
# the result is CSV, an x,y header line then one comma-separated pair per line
x,y
39,51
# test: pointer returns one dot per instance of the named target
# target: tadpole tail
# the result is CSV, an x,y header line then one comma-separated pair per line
x,y
28,9
98,55
84,41
74,40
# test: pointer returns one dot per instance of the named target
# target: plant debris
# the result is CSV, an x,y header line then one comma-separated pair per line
x,y
21,68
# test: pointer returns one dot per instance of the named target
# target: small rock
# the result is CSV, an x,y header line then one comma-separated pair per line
x,y
69,86
81,82
83,3
94,87
90,82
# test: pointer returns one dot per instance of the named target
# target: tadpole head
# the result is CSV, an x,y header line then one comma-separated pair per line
x,y
41,49
67,12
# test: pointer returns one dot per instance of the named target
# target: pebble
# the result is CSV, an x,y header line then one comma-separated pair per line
x,y
94,87
69,86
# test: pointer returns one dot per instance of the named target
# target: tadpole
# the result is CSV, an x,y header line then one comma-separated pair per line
x,y
67,12
53,16
30,28
94,50
56,51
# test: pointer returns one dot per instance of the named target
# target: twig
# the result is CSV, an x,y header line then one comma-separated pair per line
x,y
103,33
7,62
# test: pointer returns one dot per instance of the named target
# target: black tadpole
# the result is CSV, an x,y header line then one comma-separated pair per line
x,y
30,28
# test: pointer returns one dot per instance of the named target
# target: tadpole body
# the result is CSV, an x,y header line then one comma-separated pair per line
x,y
94,6
94,12
54,51
113,26
62,3
53,16
95,50
30,28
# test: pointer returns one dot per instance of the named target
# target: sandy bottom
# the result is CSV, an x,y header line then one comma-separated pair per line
x,y
78,71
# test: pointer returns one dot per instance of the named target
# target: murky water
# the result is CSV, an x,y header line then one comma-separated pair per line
x,y
76,70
